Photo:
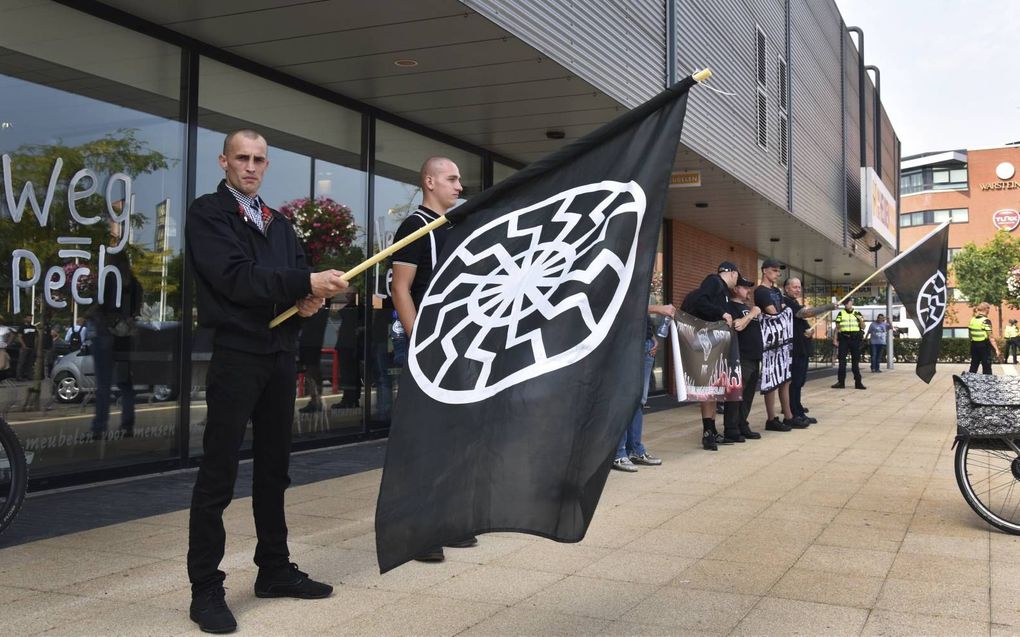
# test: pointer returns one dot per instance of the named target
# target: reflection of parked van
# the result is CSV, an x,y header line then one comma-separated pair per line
x,y
151,358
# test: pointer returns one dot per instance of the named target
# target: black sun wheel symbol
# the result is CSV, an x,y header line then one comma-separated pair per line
x,y
528,293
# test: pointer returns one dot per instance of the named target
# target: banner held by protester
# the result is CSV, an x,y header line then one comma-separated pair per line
x,y
525,359
777,349
706,360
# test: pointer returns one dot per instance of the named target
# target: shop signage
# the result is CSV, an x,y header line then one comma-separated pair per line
x,y
1001,185
685,179
1006,219
878,207
1005,170
83,184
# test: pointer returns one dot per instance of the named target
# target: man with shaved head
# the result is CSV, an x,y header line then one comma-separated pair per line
x,y
414,264
248,266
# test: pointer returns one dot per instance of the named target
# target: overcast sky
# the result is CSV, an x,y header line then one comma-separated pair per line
x,y
949,68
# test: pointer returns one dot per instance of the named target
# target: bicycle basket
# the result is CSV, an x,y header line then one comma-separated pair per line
x,y
987,405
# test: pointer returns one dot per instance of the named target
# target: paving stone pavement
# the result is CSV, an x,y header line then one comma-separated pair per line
x,y
854,526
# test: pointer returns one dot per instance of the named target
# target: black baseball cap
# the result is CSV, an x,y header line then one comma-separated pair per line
x,y
727,266
744,282
773,263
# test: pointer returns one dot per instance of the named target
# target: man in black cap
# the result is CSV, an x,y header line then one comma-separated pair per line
x,y
769,298
735,425
708,303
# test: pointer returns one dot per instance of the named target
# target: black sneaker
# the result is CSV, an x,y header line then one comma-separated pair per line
x,y
796,423
809,420
839,386
776,425
859,385
432,555
464,544
290,582
310,408
708,442
733,437
209,610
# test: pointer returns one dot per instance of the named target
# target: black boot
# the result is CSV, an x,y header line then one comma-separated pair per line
x,y
839,385
859,385
708,441
748,433
209,610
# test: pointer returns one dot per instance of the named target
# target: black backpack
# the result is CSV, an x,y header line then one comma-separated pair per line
x,y
75,342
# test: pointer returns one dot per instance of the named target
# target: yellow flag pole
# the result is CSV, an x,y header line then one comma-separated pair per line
x,y
364,265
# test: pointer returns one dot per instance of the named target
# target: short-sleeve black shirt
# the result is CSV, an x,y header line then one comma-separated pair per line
x,y
766,296
749,338
422,253
800,342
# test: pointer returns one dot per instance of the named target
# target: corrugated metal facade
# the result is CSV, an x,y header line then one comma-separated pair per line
x,y
817,125
619,46
721,34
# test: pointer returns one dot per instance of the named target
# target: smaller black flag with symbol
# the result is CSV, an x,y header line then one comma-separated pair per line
x,y
919,276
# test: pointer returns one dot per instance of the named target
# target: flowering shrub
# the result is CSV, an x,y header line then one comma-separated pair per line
x,y
326,227
1013,283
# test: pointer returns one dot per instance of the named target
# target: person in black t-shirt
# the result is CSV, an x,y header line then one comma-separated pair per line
x,y
802,344
708,303
769,298
414,264
735,425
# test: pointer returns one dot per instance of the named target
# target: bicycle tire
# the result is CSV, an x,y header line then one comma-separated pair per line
x,y
988,474
13,475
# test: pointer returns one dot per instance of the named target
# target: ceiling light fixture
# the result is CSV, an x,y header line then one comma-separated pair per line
x,y
819,260
406,63
701,204
774,239
555,133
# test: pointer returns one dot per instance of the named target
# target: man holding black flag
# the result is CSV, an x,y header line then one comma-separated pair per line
x,y
802,344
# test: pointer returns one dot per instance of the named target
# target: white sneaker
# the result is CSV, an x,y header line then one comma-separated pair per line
x,y
624,464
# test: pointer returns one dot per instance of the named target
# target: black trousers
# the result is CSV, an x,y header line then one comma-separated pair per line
x,y
242,386
981,354
735,412
1012,347
849,343
798,376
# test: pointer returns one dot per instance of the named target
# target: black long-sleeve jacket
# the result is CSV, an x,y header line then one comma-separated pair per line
x,y
244,277
708,301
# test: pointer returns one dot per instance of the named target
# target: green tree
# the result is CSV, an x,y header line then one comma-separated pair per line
x,y
981,271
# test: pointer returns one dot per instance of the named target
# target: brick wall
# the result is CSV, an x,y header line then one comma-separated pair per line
x,y
697,254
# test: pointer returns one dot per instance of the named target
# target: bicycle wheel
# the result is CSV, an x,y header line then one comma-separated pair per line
x,y
988,473
13,475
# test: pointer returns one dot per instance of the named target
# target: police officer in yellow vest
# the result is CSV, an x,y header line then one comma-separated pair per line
x,y
1012,336
848,333
981,341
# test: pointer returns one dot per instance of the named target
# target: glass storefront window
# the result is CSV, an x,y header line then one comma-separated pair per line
x,y
314,152
90,224
501,172
399,156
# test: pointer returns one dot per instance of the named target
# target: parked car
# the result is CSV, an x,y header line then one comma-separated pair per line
x,y
152,359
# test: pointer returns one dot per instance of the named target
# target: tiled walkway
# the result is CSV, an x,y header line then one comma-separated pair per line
x,y
854,526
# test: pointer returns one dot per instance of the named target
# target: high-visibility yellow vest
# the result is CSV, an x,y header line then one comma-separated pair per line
x,y
980,327
1011,331
849,321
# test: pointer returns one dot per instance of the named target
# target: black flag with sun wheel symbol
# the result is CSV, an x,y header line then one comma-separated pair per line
x,y
525,362
919,276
